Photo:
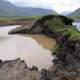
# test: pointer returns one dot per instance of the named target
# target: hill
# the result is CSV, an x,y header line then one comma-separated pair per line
x,y
76,13
8,9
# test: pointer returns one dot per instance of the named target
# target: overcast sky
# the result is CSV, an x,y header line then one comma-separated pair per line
x,y
58,5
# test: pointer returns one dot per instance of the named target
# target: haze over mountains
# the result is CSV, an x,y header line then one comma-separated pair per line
x,y
8,9
66,13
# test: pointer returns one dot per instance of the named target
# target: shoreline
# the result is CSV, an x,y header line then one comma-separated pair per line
x,y
15,22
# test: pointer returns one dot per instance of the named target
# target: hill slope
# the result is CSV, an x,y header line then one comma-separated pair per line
x,y
76,13
8,9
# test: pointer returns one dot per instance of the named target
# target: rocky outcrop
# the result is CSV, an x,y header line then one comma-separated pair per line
x,y
67,64
18,70
22,29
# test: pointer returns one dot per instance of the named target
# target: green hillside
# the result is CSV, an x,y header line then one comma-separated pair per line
x,y
76,13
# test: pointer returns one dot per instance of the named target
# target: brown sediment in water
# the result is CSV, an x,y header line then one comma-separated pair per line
x,y
44,41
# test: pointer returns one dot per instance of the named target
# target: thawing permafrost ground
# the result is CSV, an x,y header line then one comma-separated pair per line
x,y
14,46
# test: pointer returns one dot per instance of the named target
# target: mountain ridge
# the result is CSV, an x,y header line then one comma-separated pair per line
x,y
9,9
75,13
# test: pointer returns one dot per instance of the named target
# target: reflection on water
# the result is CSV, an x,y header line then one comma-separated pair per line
x,y
77,24
14,46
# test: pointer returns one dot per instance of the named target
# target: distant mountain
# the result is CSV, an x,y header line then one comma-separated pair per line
x,y
76,13
66,13
8,9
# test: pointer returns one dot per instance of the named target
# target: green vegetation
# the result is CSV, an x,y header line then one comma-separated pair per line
x,y
55,24
73,36
74,33
59,23
75,17
19,17
65,20
55,49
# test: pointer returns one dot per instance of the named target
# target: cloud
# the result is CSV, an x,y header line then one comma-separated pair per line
x,y
58,5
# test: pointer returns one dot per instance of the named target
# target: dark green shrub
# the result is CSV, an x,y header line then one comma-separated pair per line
x,y
65,20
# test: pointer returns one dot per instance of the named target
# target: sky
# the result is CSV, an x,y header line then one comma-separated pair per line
x,y
58,5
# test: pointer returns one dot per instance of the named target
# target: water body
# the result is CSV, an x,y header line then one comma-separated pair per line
x,y
24,47
77,24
